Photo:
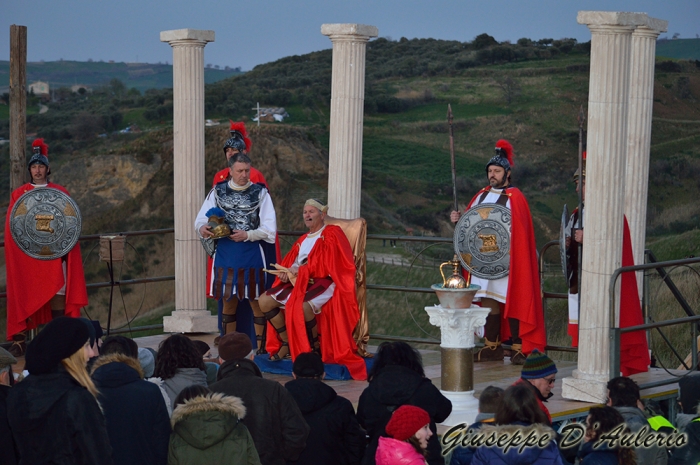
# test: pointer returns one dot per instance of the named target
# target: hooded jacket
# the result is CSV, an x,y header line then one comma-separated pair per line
x,y
393,452
207,430
636,419
548,455
183,377
392,387
273,418
335,437
138,423
56,420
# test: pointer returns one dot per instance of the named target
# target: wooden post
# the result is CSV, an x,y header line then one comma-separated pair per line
x,y
18,105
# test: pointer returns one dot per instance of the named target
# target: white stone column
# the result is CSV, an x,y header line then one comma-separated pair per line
x,y
347,114
605,176
457,327
190,313
641,101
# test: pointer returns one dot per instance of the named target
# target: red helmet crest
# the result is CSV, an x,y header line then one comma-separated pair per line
x,y
239,127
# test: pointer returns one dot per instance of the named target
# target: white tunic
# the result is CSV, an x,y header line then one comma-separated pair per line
x,y
491,288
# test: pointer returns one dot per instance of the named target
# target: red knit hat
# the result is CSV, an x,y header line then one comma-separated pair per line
x,y
406,421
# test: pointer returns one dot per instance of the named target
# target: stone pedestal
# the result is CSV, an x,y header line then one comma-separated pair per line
x,y
191,314
641,101
347,114
457,367
607,146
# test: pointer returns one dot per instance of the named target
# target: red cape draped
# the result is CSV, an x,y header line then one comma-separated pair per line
x,y
256,177
31,283
330,256
634,351
523,298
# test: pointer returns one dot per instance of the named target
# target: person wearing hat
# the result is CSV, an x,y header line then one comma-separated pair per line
x,y
321,310
515,300
539,373
54,412
239,142
336,436
62,290
409,432
239,259
8,448
272,416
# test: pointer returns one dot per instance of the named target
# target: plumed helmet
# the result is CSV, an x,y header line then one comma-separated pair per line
x,y
239,138
503,157
576,174
40,153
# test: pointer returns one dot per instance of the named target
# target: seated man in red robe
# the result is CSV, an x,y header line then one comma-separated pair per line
x,y
316,285
61,290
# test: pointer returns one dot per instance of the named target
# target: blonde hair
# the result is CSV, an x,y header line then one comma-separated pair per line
x,y
75,366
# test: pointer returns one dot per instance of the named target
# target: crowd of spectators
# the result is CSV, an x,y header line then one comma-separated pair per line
x,y
88,401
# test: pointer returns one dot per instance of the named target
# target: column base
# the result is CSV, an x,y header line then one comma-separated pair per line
x,y
190,321
465,407
585,387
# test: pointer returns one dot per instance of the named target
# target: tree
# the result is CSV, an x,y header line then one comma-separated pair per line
x,y
509,87
483,40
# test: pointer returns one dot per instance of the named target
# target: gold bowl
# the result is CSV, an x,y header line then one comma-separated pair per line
x,y
455,298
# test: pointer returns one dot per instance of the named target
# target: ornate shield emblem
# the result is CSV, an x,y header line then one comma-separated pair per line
x,y
45,223
482,240
562,241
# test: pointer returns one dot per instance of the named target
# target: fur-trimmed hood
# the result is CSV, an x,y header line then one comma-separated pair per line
x,y
206,420
547,454
118,358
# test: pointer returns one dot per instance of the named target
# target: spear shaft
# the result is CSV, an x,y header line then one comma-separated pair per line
x,y
452,157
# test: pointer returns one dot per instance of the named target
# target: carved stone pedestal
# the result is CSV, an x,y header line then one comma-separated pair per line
x,y
457,347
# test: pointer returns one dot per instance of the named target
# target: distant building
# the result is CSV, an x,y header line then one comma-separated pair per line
x,y
39,88
271,114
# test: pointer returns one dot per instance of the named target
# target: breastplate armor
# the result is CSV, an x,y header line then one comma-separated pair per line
x,y
242,207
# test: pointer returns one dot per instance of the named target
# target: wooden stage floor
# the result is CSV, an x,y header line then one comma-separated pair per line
x,y
501,374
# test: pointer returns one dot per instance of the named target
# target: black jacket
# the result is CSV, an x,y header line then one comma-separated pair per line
x,y
690,452
137,418
56,420
8,448
336,437
273,418
393,387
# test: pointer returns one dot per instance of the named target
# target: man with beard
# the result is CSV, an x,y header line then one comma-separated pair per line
x,y
515,299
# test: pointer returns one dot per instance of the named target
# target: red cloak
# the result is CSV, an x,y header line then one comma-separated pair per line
x,y
523,298
330,256
31,283
634,351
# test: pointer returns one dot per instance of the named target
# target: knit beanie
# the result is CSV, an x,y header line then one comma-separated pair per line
x,y
147,361
406,421
235,346
60,339
538,365
308,365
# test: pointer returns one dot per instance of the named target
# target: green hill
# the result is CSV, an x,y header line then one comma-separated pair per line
x,y
680,49
142,76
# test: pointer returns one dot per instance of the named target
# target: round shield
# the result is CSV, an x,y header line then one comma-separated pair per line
x,y
45,223
482,240
562,241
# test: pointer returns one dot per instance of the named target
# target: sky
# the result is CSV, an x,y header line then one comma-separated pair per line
x,y
259,31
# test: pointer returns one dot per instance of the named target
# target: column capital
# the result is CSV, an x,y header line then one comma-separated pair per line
x,y
457,325
179,36
353,32
596,19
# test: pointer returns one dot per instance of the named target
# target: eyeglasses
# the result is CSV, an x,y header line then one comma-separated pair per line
x,y
550,381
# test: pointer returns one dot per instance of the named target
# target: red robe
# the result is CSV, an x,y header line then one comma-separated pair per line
x,y
330,256
524,298
31,283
